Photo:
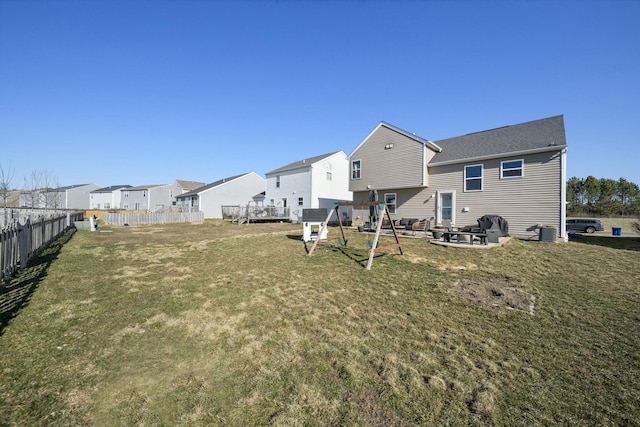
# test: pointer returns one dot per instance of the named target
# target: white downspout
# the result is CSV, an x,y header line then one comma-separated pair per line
x,y
563,195
424,166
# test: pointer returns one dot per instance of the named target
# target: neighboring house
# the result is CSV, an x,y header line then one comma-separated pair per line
x,y
235,190
147,197
517,172
69,197
13,199
316,182
107,197
181,187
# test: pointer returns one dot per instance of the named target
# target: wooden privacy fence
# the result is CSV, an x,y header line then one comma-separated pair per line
x,y
150,218
18,242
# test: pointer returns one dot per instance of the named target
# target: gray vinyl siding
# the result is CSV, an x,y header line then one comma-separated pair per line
x,y
410,202
397,167
139,197
79,198
524,202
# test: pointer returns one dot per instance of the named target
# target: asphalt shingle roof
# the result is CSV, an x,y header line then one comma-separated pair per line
x,y
144,187
533,135
301,163
110,188
190,185
208,186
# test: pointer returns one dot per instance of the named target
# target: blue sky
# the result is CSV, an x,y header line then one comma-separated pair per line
x,y
146,92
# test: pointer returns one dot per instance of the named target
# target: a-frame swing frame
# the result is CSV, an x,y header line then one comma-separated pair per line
x,y
382,207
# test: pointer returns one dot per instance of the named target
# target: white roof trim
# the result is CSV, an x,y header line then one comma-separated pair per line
x,y
500,155
304,165
416,138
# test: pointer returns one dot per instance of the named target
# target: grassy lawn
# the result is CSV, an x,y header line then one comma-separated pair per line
x,y
216,324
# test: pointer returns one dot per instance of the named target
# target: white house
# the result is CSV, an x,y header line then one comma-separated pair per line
x,y
148,197
68,197
316,182
181,186
107,197
236,190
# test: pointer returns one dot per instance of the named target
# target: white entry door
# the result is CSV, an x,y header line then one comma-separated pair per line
x,y
446,208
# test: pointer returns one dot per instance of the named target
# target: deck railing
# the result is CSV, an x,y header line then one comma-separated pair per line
x,y
255,213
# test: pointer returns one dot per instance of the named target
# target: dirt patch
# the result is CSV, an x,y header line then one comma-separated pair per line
x,y
495,293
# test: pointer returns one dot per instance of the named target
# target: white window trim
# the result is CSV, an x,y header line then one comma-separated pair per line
x,y
481,178
359,169
502,169
395,205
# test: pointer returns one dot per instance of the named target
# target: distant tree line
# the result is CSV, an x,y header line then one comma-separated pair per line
x,y
602,197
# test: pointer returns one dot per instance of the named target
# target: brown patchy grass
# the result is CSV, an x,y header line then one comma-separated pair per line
x,y
216,324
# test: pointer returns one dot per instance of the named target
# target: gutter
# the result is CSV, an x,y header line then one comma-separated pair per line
x,y
500,155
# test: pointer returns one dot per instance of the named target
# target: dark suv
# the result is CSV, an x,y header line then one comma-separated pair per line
x,y
584,225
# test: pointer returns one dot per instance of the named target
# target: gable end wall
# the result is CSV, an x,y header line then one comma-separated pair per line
x,y
397,167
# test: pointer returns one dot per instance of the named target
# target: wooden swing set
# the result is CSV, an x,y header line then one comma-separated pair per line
x,y
373,245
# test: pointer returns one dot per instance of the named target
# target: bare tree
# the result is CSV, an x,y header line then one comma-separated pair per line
x,y
48,184
33,189
57,202
42,190
6,182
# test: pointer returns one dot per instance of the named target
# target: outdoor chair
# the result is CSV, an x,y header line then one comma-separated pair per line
x,y
421,225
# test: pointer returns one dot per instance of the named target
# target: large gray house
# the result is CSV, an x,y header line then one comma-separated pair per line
x,y
517,172
148,197
107,197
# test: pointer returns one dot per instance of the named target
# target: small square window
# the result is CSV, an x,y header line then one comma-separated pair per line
x,y
512,169
329,176
300,201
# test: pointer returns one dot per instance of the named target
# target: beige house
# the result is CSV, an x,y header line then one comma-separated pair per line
x,y
517,172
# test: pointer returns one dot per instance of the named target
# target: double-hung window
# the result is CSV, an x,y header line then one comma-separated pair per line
x,y
473,178
390,201
512,168
355,169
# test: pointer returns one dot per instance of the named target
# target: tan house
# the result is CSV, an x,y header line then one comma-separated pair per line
x,y
517,172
